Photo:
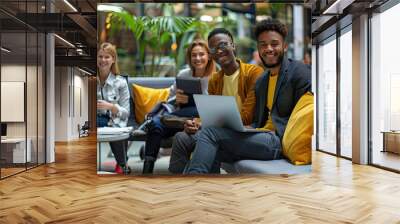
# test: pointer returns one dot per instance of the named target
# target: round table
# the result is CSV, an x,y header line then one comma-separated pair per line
x,y
111,138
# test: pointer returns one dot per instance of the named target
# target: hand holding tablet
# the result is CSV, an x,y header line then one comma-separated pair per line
x,y
189,85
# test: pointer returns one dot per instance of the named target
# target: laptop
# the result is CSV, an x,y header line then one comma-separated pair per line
x,y
220,111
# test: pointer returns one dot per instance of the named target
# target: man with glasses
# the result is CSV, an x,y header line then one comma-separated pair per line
x,y
235,78
277,93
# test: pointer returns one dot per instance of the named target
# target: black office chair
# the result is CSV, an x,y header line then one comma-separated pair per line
x,y
84,129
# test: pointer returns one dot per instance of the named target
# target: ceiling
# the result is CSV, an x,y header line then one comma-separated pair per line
x,y
329,15
76,22
73,20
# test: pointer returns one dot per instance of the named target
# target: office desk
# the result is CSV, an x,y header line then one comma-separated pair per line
x,y
391,141
13,150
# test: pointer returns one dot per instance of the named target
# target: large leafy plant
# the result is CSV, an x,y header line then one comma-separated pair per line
x,y
155,34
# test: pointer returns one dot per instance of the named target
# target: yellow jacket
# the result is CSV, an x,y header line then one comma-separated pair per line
x,y
248,76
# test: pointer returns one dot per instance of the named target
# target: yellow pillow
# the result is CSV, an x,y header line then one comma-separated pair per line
x,y
145,99
296,142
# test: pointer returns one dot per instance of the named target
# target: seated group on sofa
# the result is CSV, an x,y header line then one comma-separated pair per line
x,y
276,101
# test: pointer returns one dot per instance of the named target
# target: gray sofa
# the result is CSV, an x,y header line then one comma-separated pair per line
x,y
281,166
152,82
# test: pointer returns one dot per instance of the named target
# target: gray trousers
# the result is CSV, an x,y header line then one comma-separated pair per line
x,y
215,145
182,148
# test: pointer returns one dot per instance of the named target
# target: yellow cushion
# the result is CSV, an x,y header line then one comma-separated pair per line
x,y
145,99
296,141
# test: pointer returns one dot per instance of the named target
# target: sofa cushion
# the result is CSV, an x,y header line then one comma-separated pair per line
x,y
296,142
152,82
281,166
146,98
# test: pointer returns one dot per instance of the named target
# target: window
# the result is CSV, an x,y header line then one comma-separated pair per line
x,y
385,87
327,96
346,92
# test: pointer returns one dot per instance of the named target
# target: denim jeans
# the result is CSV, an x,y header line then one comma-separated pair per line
x,y
186,112
182,148
158,131
216,145
102,120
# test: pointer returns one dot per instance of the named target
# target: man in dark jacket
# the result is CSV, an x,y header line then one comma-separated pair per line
x,y
277,92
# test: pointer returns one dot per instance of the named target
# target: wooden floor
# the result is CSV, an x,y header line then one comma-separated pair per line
x,y
5,172
386,159
69,191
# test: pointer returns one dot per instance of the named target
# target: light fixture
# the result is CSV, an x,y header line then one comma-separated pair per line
x,y
206,18
109,8
84,71
70,5
5,50
337,7
65,41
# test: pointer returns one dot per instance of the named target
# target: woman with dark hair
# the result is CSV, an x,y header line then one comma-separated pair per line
x,y
112,99
201,67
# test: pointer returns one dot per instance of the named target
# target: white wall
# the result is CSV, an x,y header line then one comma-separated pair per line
x,y
13,73
71,102
33,127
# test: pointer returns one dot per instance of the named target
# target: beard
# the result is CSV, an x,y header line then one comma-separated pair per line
x,y
278,63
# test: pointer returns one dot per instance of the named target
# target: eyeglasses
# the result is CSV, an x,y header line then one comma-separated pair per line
x,y
221,46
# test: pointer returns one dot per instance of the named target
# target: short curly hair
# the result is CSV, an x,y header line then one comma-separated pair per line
x,y
219,31
271,25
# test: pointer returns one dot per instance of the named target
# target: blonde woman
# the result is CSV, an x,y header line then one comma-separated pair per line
x,y
112,99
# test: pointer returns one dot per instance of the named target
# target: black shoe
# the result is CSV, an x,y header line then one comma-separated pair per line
x,y
148,167
126,170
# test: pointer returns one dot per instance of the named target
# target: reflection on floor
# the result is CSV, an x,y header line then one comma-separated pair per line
x,y
386,159
69,191
10,169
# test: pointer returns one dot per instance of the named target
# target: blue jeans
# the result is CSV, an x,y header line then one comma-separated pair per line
x,y
186,112
215,145
182,147
102,120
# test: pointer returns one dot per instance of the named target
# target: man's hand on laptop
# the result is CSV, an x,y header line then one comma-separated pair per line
x,y
249,127
181,97
191,126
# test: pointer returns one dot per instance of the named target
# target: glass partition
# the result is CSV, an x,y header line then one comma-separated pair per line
x,y
13,89
22,89
385,89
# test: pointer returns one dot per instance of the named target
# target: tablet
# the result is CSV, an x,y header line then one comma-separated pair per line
x,y
189,85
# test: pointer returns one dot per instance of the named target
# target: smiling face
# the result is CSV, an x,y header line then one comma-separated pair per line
x,y
272,48
104,61
199,58
222,49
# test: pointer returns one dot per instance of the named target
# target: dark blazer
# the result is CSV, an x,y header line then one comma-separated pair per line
x,y
293,81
